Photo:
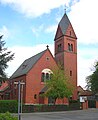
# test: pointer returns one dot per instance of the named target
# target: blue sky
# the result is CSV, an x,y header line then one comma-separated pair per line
x,y
29,25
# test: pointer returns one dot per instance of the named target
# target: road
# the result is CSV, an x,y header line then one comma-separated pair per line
x,y
90,114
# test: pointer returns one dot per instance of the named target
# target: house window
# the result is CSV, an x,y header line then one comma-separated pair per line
x,y
70,33
51,75
35,96
42,77
59,47
70,73
46,74
70,47
47,58
24,66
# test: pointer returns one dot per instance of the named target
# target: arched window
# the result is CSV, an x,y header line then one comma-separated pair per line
x,y
70,72
47,76
71,47
59,48
68,47
70,33
35,96
43,77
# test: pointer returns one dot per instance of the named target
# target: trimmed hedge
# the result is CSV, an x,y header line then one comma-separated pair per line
x,y
50,108
44,108
74,104
8,105
12,106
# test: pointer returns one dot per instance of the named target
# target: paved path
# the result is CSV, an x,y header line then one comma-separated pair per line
x,y
90,114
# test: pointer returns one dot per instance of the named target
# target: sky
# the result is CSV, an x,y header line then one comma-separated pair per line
x,y
29,25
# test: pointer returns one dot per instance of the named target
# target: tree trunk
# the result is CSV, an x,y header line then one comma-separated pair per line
x,y
55,101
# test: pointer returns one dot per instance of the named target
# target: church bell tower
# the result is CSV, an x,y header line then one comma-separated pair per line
x,y
66,50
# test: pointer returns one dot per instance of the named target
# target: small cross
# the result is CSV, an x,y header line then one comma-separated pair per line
x,y
65,8
47,47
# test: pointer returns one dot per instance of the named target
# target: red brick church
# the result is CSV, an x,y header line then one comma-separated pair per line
x,y
33,71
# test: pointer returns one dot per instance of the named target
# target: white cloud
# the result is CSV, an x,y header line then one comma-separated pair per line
x,y
23,53
37,30
34,8
51,28
84,17
86,59
4,31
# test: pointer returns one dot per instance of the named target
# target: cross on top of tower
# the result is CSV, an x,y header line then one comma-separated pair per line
x,y
47,46
65,8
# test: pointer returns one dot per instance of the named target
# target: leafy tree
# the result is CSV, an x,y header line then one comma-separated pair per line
x,y
5,57
58,85
92,80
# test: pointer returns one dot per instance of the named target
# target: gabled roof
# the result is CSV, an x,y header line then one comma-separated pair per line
x,y
27,65
63,27
4,86
43,90
83,92
64,23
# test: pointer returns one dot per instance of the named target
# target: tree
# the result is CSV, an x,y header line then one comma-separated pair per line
x,y
58,85
5,57
92,80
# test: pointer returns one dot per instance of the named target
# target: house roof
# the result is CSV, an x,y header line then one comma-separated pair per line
x,y
27,65
83,92
4,86
64,23
80,89
86,93
43,90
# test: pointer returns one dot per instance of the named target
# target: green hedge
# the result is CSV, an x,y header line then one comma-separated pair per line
x,y
74,104
50,108
44,108
12,106
8,105
7,116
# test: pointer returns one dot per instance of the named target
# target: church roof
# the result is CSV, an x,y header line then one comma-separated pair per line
x,y
43,90
64,23
27,65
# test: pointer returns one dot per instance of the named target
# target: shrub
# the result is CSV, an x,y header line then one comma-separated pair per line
x,y
74,105
8,105
7,116
73,101
44,108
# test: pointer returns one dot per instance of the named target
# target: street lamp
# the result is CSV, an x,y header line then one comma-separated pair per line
x,y
19,94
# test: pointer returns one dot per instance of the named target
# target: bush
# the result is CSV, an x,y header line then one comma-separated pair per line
x,y
75,105
73,101
44,108
8,105
7,116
